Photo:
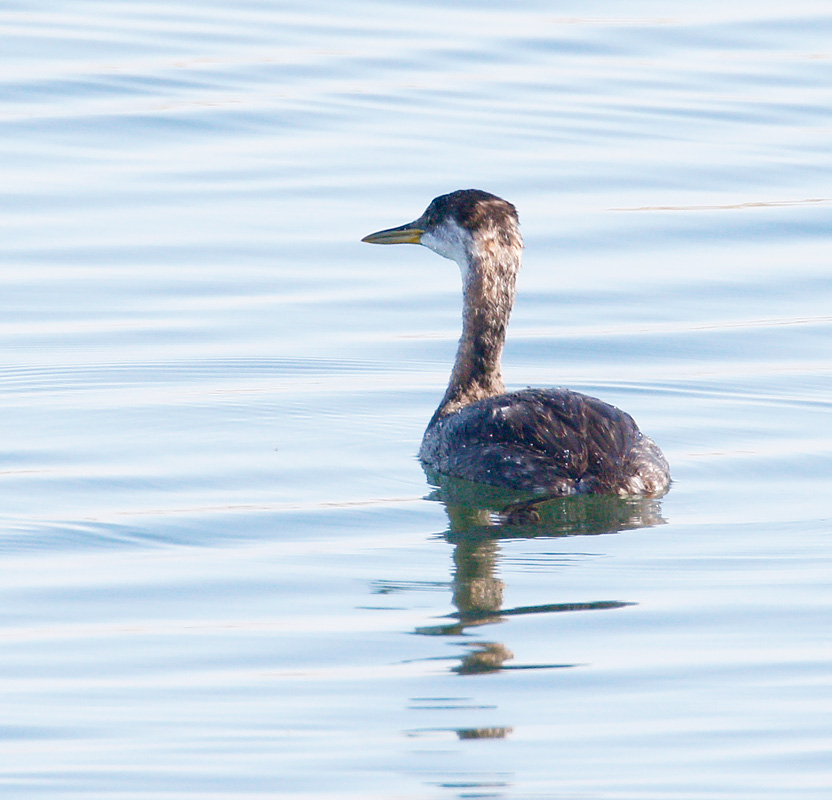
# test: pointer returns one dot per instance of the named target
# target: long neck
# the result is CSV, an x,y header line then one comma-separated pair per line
x,y
489,285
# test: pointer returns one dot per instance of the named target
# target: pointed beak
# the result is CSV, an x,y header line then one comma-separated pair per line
x,y
404,234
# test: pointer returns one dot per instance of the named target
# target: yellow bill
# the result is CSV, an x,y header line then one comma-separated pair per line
x,y
404,234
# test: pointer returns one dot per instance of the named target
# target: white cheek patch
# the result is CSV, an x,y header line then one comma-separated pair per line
x,y
450,241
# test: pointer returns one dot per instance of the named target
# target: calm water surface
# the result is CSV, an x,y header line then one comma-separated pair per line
x,y
223,571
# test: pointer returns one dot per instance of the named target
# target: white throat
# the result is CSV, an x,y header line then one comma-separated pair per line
x,y
451,240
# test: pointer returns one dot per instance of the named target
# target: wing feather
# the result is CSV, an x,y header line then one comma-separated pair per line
x,y
539,439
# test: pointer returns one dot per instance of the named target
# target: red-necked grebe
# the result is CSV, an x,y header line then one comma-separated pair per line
x,y
548,441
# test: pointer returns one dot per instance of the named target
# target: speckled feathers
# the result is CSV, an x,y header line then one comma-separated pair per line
x,y
547,441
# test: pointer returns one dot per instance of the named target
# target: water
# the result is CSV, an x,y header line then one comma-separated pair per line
x,y
224,573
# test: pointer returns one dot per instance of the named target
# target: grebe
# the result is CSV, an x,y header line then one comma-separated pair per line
x,y
552,442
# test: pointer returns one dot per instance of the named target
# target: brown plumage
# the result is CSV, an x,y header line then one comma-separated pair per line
x,y
552,442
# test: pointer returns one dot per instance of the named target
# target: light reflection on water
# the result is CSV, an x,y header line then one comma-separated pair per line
x,y
223,570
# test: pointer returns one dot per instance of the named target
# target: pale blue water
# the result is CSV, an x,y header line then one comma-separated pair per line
x,y
223,572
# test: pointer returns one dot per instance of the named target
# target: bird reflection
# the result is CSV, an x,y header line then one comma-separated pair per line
x,y
479,518
478,511
497,732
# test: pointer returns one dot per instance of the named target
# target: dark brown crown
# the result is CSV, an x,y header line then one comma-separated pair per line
x,y
475,210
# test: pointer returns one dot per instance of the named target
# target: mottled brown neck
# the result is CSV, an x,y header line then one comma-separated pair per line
x,y
488,297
